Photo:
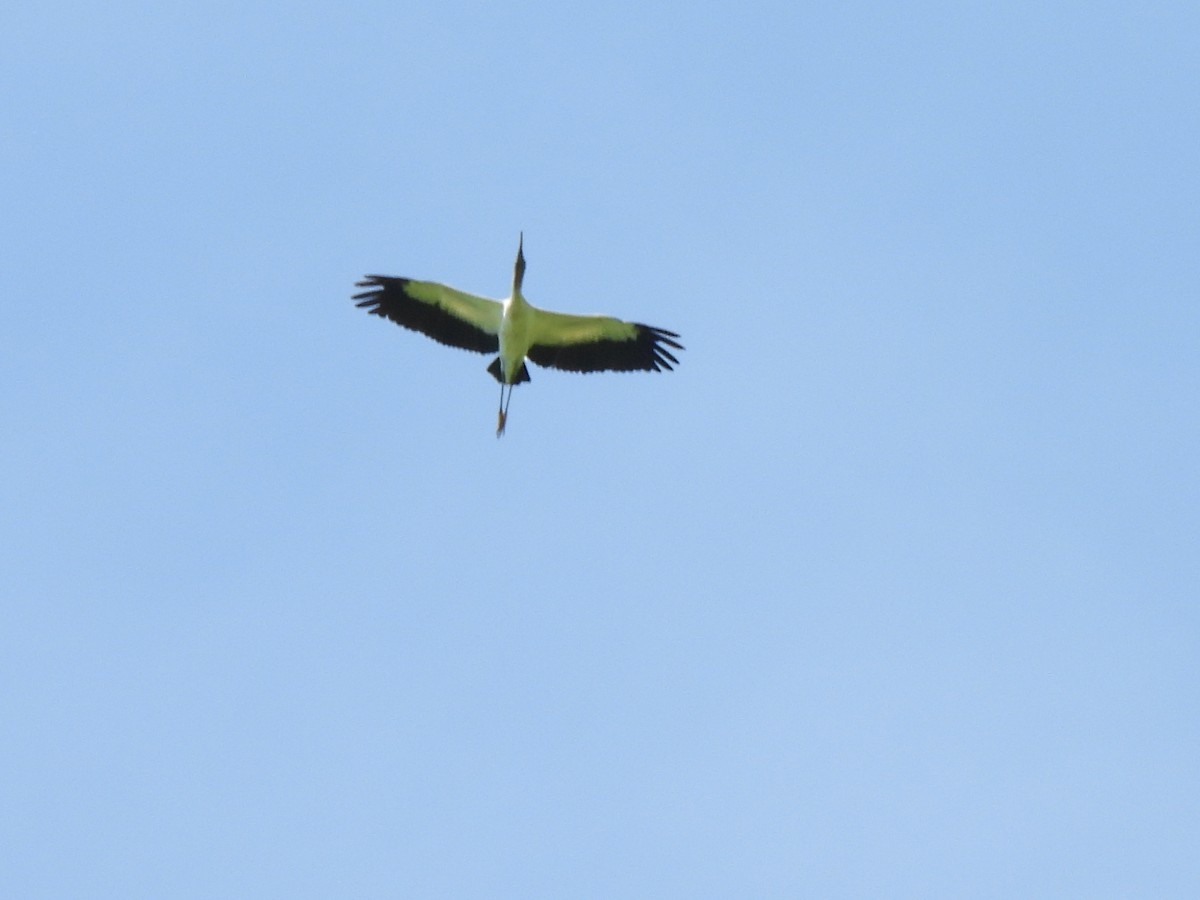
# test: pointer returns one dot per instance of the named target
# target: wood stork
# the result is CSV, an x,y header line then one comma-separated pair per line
x,y
518,330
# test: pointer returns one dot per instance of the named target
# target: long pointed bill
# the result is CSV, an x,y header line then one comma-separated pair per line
x,y
519,267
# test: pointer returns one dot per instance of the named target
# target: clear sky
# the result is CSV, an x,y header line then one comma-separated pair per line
x,y
890,590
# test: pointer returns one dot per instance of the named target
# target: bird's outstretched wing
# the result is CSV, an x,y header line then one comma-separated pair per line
x,y
448,316
599,344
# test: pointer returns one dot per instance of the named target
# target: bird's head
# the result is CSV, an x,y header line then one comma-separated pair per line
x,y
519,268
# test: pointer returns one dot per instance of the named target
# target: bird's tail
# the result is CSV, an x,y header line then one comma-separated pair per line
x,y
522,374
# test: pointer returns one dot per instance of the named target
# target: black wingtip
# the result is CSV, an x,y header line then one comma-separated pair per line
x,y
376,285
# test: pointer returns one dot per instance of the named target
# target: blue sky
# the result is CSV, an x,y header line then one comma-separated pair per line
x,y
889,590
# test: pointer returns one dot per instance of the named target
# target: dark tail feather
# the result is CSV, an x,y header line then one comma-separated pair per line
x,y
522,375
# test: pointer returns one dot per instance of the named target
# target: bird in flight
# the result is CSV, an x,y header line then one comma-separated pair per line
x,y
517,330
